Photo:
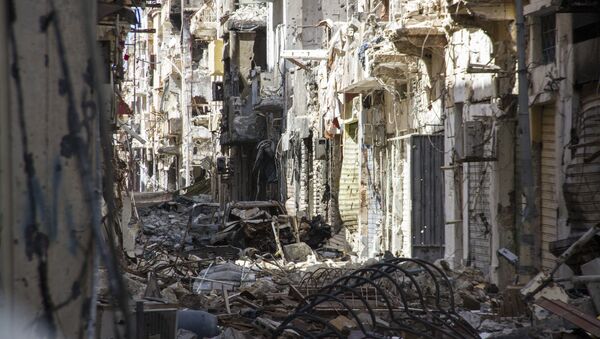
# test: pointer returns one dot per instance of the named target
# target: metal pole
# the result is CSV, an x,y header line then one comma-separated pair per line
x,y
6,210
526,231
185,127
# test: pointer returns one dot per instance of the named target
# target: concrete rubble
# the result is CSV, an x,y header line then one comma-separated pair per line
x,y
243,292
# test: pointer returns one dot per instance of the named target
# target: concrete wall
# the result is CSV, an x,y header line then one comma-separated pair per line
x,y
50,165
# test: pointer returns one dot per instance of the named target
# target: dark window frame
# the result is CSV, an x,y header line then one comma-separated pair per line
x,y
548,38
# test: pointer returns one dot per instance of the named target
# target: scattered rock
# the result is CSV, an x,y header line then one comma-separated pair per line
x,y
297,252
343,324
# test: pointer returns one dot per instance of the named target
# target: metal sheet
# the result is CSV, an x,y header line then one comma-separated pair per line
x,y
427,191
349,202
549,203
572,314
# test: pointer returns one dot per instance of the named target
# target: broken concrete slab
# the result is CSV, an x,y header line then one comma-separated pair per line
x,y
297,252
343,324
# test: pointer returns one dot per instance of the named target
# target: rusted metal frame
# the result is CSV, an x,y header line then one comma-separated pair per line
x,y
316,300
394,282
401,327
368,281
310,277
305,312
327,276
390,267
571,314
377,274
390,307
436,316
375,271
314,276
358,274
458,320
425,268
408,310
425,265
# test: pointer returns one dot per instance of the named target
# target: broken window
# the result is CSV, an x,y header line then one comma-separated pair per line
x,y
548,23
199,106
260,50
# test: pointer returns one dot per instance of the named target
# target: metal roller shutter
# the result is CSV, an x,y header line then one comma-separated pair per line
x,y
548,178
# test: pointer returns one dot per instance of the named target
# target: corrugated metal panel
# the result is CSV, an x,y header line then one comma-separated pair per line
x,y
549,204
480,229
427,192
349,201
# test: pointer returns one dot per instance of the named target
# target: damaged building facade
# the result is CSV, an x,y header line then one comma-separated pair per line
x,y
400,128
286,168
394,121
252,112
171,68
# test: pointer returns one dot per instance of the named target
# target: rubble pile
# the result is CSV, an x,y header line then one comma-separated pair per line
x,y
262,226
251,271
183,222
248,16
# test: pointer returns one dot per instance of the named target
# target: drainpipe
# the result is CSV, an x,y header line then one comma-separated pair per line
x,y
6,207
526,228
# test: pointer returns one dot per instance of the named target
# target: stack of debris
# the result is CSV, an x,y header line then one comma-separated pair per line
x,y
250,271
261,225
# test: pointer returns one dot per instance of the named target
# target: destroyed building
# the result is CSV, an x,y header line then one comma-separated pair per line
x,y
287,168
171,69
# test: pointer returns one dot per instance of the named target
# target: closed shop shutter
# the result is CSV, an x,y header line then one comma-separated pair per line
x,y
548,178
427,195
349,200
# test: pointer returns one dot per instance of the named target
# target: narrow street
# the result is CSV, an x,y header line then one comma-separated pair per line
x,y
186,169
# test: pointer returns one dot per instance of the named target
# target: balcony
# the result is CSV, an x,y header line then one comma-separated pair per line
x,y
472,12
